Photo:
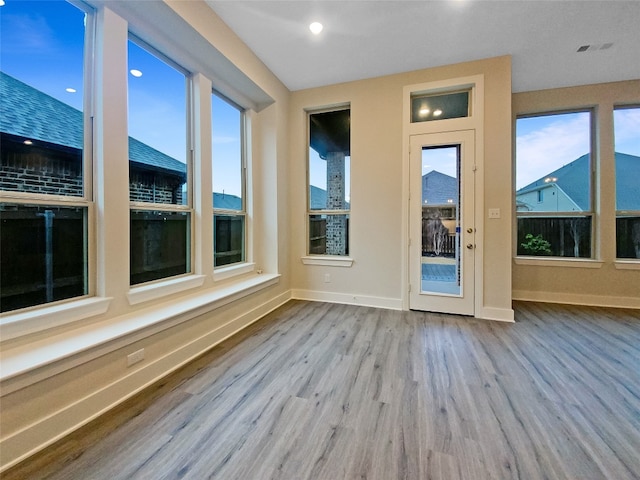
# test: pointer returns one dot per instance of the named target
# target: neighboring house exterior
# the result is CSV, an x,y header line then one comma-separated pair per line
x,y
439,212
567,188
225,201
31,115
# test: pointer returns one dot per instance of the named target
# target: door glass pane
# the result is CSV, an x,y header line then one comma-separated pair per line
x,y
440,259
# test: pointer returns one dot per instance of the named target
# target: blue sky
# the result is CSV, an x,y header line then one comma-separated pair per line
x,y
546,143
36,39
441,159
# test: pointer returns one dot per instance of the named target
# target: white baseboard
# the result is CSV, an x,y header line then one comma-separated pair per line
x,y
496,314
347,298
42,433
577,299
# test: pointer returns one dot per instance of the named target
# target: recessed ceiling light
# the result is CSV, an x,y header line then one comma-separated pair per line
x,y
424,111
135,73
316,28
28,142
437,112
70,90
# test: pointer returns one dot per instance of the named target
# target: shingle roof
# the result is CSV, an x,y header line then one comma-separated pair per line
x,y
28,112
573,179
226,201
438,188
627,182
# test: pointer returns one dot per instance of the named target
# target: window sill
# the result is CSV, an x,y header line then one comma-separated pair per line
x,y
627,265
32,321
328,260
557,262
102,337
161,289
223,273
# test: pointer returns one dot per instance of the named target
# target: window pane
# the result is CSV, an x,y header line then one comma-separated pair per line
x,y
627,148
553,175
628,237
329,160
228,233
426,108
43,254
553,166
41,97
157,129
329,234
227,155
329,179
554,236
159,245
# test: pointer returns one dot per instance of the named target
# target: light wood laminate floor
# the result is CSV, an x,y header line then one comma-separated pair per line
x,y
321,391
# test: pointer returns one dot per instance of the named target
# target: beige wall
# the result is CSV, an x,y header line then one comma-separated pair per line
x,y
602,281
376,235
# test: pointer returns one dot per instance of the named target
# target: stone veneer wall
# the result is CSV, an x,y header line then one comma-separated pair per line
x,y
336,224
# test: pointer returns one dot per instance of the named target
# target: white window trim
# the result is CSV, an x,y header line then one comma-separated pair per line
x,y
627,264
159,289
229,271
327,260
14,325
558,262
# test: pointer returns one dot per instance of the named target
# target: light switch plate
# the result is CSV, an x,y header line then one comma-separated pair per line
x,y
494,213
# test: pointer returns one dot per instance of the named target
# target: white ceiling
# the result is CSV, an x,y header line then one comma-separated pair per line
x,y
369,38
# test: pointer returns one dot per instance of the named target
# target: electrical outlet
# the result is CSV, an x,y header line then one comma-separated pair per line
x,y
135,357
327,278
494,213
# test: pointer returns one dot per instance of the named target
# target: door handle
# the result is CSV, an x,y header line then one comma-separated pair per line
x,y
470,246
469,230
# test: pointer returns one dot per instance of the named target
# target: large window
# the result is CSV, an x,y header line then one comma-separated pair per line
x,y
158,172
554,188
45,191
229,170
627,154
328,182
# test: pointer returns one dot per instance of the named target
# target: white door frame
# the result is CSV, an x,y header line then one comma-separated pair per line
x,y
475,121
464,302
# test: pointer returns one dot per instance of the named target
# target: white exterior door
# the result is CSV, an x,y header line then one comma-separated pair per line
x,y
441,215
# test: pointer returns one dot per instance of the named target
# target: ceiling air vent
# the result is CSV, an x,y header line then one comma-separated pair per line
x,y
594,47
